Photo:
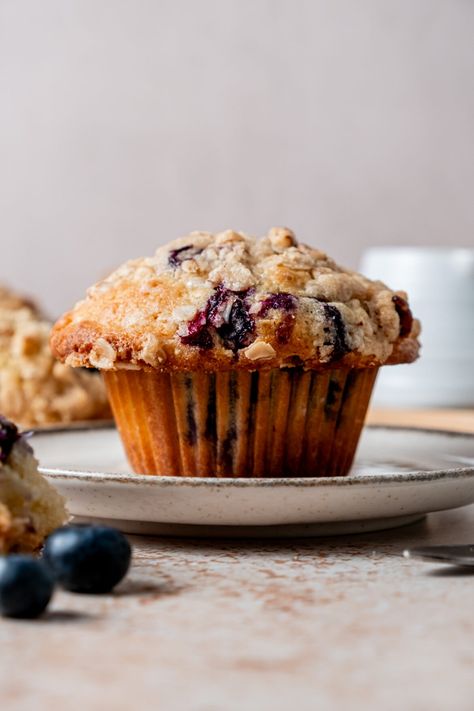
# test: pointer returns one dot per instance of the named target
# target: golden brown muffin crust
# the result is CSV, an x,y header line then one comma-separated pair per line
x,y
225,301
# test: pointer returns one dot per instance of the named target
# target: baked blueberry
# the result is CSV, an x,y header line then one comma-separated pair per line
x,y
198,332
87,559
336,330
238,330
226,313
26,586
177,256
8,436
404,314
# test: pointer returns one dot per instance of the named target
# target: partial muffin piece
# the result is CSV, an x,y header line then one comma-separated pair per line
x,y
30,508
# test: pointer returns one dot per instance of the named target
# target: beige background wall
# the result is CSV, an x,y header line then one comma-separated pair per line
x,y
124,123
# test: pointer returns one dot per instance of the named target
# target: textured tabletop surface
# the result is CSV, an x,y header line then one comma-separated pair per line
x,y
333,623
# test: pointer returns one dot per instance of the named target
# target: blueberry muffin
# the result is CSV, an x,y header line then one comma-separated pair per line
x,y
36,390
230,356
29,506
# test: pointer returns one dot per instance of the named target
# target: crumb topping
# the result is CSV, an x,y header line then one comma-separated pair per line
x,y
34,388
204,301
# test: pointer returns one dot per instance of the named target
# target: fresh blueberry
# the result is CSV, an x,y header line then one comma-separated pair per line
x,y
26,586
87,559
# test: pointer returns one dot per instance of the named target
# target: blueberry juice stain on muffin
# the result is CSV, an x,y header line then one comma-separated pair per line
x,y
287,303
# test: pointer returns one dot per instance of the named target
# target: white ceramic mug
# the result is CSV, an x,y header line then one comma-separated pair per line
x,y
440,287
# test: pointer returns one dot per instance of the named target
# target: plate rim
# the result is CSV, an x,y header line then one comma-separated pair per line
x,y
392,478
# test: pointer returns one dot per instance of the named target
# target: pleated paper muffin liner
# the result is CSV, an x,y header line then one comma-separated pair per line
x,y
276,423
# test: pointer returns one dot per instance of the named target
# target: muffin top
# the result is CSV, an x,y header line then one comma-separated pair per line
x,y
224,301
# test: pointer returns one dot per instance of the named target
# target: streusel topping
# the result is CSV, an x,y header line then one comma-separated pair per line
x,y
229,300
34,388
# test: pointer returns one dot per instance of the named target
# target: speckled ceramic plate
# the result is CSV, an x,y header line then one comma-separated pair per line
x,y
400,474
